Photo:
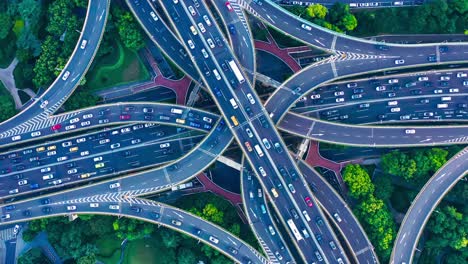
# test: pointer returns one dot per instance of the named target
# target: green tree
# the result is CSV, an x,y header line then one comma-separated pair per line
x,y
349,22
317,11
358,181
170,239
33,256
81,3
6,22
8,108
186,256
47,62
449,228
212,213
129,30
400,164
59,14
383,187
31,12
28,45
81,99
132,229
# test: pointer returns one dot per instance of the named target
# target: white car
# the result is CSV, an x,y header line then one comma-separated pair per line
x,y
399,62
124,130
15,138
207,119
445,78
251,99
249,132
438,91
423,78
410,131
205,54
36,134
44,104
391,81
339,100
266,143
272,230
154,16
70,127
338,93
380,88
23,182
315,96
262,171
66,144
84,153
16,229
115,145
87,116
65,75
94,205
85,123
72,171
97,159
210,43
190,43
104,141
74,120
62,158
51,153
114,207
114,185
194,30
395,109
207,20
454,90
71,207
462,74
306,27
136,141
83,43
81,140
165,145
201,27
192,10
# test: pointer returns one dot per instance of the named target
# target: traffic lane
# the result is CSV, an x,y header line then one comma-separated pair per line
x,y
371,136
332,203
423,205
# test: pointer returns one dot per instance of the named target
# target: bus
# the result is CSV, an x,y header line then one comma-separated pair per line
x,y
236,71
294,229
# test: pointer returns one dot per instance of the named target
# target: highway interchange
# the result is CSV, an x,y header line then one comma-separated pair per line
x,y
183,162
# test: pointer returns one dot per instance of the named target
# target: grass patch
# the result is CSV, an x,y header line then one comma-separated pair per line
x,y
121,66
18,27
143,251
109,249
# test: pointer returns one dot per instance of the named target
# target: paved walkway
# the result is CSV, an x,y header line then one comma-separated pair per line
x,y
180,87
272,47
314,158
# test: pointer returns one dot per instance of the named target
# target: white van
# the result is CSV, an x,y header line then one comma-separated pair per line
x,y
47,177
259,150
233,103
216,74
176,111
446,98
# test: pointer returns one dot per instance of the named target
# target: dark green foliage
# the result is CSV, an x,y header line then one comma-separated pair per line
x,y
33,256
81,99
383,187
7,106
132,229
438,16
449,228
129,29
6,23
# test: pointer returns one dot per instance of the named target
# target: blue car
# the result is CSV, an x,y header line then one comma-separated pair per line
x,y
232,29
34,186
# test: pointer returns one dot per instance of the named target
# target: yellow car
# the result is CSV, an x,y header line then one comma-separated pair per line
x,y
53,147
74,149
40,149
99,165
85,175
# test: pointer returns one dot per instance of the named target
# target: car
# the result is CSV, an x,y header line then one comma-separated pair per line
x,y
247,145
381,47
338,93
232,29
262,171
114,207
291,188
190,43
85,175
94,205
114,185
233,250
443,49
251,99
390,95
46,210
306,27
249,132
454,90
72,171
210,43
15,138
136,127
308,201
428,114
438,91
36,134
465,83
278,255
337,217
351,85
115,145
165,145
315,96
356,96
124,117
444,84
22,182
16,229
395,109
70,127
194,30
278,147
83,44
65,75
423,78
176,222
432,58
229,6
205,54
365,105
358,90
410,131
73,149
99,165
192,10
444,78
416,91
207,20
424,101
56,182
71,207
201,27
104,141
154,16
103,121
85,123
462,74
339,100
136,209
399,62
272,230
462,105
266,143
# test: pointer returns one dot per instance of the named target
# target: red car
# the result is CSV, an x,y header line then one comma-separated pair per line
x,y
247,144
124,117
229,6
56,127
308,201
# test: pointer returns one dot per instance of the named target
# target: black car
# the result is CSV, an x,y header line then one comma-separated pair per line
x,y
20,167
155,215
381,47
427,84
249,111
293,175
391,95
10,207
70,165
27,213
432,58
382,117
45,201
283,172
358,90
443,49
417,91
148,116
127,153
218,41
224,66
18,176
136,209
46,210
319,221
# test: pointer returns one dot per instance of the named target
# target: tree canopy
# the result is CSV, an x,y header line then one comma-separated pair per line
x,y
358,181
